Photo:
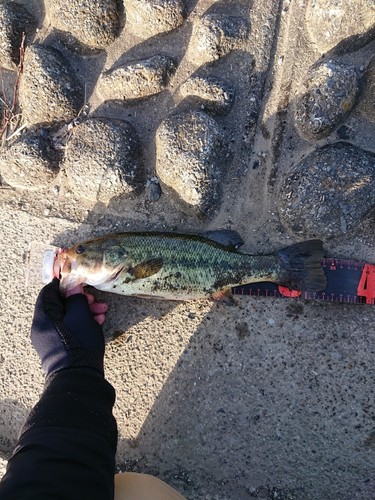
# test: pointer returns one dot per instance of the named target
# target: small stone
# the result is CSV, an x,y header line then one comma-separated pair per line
x,y
216,35
29,163
14,21
138,79
103,160
214,94
327,96
49,90
329,191
332,23
152,17
188,150
336,356
367,102
94,23
153,189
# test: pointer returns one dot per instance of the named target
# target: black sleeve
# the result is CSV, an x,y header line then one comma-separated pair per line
x,y
67,446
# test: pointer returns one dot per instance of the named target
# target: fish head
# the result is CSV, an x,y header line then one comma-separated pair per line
x,y
93,263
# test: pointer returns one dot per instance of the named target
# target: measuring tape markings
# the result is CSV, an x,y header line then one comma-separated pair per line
x,y
348,281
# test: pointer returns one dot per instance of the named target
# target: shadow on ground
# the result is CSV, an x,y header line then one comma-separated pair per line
x,y
249,412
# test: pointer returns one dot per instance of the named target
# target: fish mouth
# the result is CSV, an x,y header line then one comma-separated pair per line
x,y
62,265
65,270
70,273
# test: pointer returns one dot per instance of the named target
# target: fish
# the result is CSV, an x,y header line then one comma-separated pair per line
x,y
176,266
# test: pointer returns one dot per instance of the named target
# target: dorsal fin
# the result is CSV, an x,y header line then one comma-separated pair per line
x,y
226,237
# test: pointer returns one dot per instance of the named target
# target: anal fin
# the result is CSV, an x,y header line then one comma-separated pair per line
x,y
224,297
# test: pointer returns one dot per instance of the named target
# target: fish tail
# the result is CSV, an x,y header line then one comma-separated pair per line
x,y
301,267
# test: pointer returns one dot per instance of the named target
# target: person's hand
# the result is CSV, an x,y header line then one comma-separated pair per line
x,y
98,309
66,332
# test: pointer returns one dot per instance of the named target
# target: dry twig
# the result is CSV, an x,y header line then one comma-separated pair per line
x,y
62,136
11,119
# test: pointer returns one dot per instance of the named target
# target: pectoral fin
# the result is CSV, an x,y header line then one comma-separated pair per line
x,y
147,268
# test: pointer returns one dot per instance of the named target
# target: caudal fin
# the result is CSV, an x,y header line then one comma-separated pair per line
x,y
301,267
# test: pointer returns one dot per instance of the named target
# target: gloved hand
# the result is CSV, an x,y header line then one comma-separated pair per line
x,y
64,332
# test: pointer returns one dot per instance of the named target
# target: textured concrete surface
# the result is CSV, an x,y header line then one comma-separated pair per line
x,y
268,399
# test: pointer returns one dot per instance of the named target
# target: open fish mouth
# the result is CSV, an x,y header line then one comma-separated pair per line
x,y
62,265
65,270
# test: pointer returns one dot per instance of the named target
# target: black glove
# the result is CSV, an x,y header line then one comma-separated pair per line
x,y
64,332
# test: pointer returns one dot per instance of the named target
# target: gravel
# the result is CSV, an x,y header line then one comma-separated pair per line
x,y
332,23
367,102
14,21
216,35
137,79
329,191
31,162
49,90
152,17
212,93
188,148
102,159
327,96
94,23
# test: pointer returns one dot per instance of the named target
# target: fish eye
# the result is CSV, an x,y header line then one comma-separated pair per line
x,y
80,249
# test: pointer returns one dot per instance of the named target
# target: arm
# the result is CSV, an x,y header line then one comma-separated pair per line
x,y
67,445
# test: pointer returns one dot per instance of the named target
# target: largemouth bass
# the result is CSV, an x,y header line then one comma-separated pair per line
x,y
184,267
